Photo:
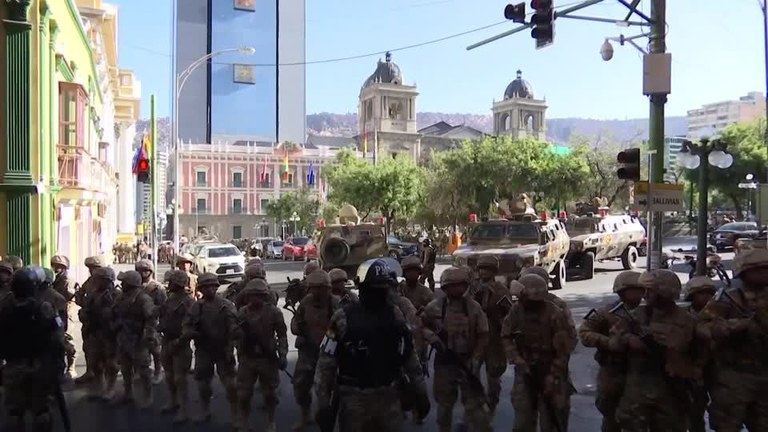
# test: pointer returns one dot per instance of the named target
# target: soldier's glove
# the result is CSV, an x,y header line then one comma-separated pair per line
x,y
282,362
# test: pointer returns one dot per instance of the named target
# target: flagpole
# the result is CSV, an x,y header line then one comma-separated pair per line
x,y
153,176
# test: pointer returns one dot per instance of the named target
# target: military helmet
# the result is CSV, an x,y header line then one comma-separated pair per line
x,y
378,271
516,288
16,262
144,265
94,262
455,276
489,262
663,282
319,278
177,277
106,273
6,267
534,287
185,257
536,270
130,278
699,284
256,287
26,281
311,267
626,279
411,262
208,279
750,259
49,276
338,275
60,260
426,242
255,271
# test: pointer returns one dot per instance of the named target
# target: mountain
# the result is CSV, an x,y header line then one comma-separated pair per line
x,y
558,130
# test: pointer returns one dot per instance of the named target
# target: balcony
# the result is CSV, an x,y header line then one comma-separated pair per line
x,y
79,169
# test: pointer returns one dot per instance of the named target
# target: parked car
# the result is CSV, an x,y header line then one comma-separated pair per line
x,y
293,249
726,235
224,260
399,249
310,250
275,249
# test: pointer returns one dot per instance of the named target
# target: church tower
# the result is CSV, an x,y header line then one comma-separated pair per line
x,y
387,113
519,114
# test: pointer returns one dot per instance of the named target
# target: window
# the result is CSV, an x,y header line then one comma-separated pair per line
x,y
237,207
237,179
265,182
201,205
289,180
245,5
264,205
223,252
72,102
201,179
237,232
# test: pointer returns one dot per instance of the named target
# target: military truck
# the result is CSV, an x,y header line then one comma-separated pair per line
x,y
348,242
599,236
518,240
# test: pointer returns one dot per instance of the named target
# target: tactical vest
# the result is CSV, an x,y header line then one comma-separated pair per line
x,y
27,334
373,349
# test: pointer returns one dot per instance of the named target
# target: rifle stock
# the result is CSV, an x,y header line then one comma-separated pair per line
x,y
326,417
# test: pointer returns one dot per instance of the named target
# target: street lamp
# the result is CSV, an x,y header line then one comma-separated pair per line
x,y
294,218
690,157
179,82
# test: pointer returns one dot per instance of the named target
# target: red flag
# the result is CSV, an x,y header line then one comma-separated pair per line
x,y
263,175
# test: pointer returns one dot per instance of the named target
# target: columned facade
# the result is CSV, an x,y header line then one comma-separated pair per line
x,y
519,114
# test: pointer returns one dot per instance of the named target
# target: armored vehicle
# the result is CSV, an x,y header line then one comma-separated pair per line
x,y
519,240
599,237
348,243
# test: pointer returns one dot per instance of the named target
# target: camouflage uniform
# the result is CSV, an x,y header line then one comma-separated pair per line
x,y
96,315
262,351
659,338
736,320
428,257
184,262
157,293
535,338
210,323
253,270
419,294
699,389
176,354
339,289
92,263
135,318
458,325
63,286
309,324
595,333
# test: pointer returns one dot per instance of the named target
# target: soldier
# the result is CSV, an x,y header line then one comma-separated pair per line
x,y
428,258
493,298
176,354
32,350
61,283
366,350
6,275
16,262
253,270
595,333
91,263
536,340
457,328
309,324
185,262
135,317
700,292
339,287
96,315
736,320
416,292
157,293
210,323
659,338
46,293
262,352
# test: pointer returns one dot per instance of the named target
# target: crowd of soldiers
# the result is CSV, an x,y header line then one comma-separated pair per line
x,y
662,366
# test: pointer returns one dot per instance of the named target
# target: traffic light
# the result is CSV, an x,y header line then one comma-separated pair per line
x,y
629,164
515,12
543,22
142,171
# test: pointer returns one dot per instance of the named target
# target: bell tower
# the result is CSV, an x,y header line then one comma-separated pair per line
x,y
519,114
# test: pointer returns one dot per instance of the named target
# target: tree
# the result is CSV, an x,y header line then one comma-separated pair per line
x,y
600,156
303,202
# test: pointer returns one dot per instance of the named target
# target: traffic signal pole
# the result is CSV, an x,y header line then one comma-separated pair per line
x,y
153,178
656,134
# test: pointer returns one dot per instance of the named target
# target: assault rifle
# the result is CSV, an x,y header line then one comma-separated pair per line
x,y
474,382
251,340
726,297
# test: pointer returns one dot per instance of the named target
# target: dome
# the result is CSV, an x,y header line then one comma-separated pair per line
x,y
386,72
519,88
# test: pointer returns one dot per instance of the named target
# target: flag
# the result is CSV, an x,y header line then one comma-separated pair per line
x,y
147,144
263,176
135,162
311,175
285,167
365,143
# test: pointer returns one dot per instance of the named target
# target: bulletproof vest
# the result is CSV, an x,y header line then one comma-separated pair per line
x,y
457,330
170,323
373,349
130,312
536,332
31,331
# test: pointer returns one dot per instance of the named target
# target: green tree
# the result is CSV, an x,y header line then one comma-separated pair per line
x,y
303,202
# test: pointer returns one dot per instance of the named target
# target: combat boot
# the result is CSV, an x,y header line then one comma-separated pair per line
x,y
181,412
145,393
173,398
305,419
109,393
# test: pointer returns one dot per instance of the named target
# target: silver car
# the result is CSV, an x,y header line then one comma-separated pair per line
x,y
275,249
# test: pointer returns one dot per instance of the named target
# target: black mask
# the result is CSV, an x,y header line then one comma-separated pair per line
x,y
374,297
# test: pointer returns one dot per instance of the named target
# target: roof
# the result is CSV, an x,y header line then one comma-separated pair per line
x,y
444,130
317,141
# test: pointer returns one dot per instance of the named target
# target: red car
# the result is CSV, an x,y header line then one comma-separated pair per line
x,y
310,250
295,248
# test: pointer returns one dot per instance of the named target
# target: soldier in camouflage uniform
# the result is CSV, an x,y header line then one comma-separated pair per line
x,y
96,317
157,293
737,323
339,287
457,328
210,324
135,318
91,263
176,353
16,262
46,293
659,339
253,270
184,263
63,286
262,352
700,292
419,294
535,337
309,324
595,333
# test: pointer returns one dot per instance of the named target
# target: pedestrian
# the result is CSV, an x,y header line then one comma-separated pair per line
x,y
428,258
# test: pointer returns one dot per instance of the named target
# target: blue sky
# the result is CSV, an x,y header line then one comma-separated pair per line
x,y
717,53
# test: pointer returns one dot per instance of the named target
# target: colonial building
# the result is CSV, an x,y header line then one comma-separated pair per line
x,y
520,114
226,186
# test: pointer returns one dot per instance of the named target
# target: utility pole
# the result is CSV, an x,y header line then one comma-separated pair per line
x,y
153,177
656,130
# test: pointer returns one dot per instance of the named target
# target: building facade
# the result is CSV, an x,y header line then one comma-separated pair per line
x,y
672,147
226,186
231,98
712,118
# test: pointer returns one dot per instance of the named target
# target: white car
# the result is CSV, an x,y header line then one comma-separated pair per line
x,y
224,260
275,249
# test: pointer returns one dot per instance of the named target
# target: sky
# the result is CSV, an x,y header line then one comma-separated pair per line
x,y
717,54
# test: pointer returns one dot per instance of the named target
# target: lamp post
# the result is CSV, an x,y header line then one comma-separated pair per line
x,y
294,218
690,157
178,83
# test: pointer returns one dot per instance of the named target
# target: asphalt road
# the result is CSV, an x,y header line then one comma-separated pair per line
x,y
88,416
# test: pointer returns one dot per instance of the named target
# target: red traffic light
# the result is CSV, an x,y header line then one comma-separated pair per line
x,y
515,12
541,4
143,165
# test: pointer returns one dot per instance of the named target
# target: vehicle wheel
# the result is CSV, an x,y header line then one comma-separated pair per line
x,y
588,265
629,258
559,273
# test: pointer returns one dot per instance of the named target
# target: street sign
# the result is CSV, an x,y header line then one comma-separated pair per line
x,y
666,197
641,188
747,185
